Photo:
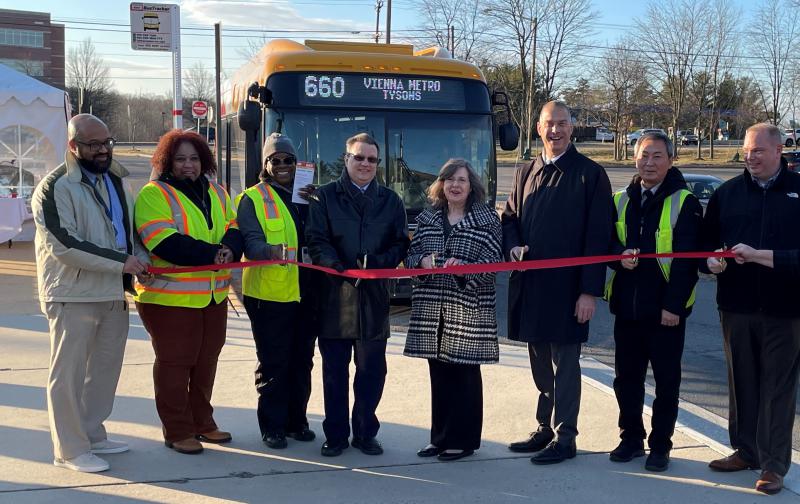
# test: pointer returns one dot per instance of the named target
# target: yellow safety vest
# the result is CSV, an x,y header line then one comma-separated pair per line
x,y
670,210
161,211
276,282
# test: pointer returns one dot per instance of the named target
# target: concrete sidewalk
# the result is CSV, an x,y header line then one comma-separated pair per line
x,y
246,471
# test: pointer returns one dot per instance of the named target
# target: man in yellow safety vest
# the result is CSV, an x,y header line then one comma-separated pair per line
x,y
651,298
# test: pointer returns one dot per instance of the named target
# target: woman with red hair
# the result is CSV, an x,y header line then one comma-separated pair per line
x,y
186,219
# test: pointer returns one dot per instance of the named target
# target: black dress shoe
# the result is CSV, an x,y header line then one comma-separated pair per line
x,y
429,451
553,454
657,461
305,434
368,446
333,448
627,450
275,440
537,441
448,456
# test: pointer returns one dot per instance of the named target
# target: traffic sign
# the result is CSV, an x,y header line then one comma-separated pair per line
x,y
152,27
199,109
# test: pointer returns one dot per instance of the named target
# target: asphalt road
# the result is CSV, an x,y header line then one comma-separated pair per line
x,y
704,370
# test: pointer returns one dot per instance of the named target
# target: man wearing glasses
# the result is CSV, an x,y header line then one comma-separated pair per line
x,y
86,254
355,222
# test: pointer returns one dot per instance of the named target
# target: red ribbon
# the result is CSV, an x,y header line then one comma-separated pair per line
x,y
464,269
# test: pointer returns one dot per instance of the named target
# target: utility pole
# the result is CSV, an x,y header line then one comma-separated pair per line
x,y
388,21
378,7
452,36
531,85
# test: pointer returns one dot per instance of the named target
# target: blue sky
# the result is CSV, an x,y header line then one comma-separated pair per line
x,y
150,72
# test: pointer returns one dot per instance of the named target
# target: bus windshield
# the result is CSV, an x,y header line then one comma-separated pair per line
x,y
413,145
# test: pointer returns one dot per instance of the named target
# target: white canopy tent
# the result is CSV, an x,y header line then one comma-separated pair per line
x,y
33,131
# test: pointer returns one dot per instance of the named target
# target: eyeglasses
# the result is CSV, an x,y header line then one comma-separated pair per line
x,y
360,159
109,144
285,161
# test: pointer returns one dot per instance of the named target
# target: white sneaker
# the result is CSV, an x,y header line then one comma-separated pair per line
x,y
109,446
84,463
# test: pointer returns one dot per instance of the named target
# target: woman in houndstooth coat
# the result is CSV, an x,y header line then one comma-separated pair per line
x,y
453,322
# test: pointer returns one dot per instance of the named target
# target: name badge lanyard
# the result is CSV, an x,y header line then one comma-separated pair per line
x,y
108,209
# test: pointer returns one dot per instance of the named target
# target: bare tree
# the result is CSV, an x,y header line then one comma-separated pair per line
x,y
620,73
561,33
198,82
723,49
672,34
774,42
467,19
87,73
253,46
514,22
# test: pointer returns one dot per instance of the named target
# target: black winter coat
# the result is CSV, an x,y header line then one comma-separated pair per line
x,y
741,212
567,215
641,293
342,226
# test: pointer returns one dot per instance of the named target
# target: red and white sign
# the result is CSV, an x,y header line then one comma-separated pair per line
x,y
199,109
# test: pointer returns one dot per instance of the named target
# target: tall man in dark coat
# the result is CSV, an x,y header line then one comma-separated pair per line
x,y
652,298
560,206
757,295
355,222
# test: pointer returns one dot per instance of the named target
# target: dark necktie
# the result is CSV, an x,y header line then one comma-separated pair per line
x,y
646,195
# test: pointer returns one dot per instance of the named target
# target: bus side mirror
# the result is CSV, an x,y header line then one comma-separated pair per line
x,y
508,135
249,117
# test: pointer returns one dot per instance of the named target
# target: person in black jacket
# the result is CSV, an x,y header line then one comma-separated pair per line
x,y
560,206
757,295
355,222
651,298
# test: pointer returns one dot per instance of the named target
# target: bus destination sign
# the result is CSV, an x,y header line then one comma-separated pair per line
x,y
380,91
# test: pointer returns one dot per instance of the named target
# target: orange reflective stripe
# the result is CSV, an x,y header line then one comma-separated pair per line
x,y
174,203
220,195
154,221
174,291
152,235
270,208
194,279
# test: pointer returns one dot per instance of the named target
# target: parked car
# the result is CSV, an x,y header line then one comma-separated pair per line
x,y
791,136
793,159
702,186
687,137
603,135
631,138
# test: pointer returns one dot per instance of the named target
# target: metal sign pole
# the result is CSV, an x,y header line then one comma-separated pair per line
x,y
218,96
177,106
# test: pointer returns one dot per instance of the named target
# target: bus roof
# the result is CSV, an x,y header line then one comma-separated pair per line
x,y
283,55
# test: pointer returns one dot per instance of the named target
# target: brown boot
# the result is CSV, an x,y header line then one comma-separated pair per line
x,y
731,463
188,446
769,482
216,436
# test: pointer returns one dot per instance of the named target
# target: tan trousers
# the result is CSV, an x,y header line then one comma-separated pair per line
x,y
87,344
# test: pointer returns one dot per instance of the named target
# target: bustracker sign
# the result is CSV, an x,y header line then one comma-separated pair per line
x,y
152,28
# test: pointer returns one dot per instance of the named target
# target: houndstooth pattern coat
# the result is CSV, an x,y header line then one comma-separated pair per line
x,y
464,305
